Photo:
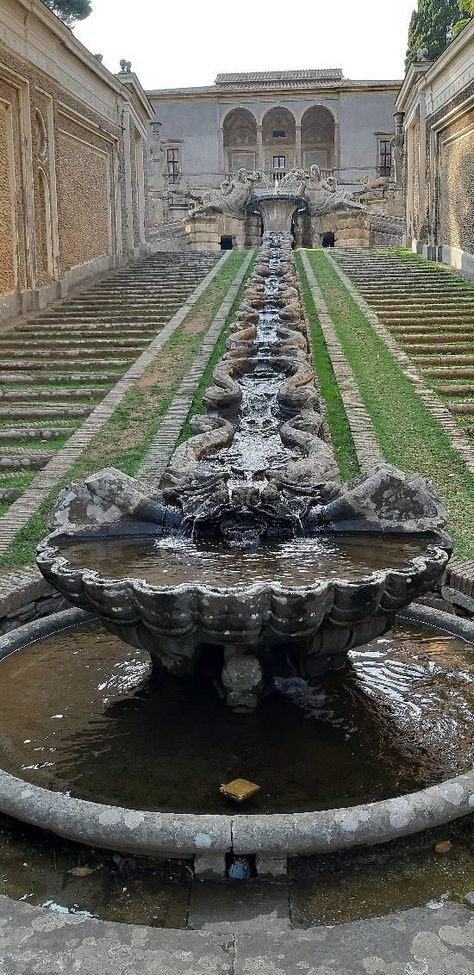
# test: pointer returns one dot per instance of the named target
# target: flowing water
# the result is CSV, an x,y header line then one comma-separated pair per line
x,y
172,561
81,712
257,446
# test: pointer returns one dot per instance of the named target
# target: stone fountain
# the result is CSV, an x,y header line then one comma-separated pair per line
x,y
277,198
258,474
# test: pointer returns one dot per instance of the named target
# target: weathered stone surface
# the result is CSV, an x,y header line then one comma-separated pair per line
x,y
242,679
103,499
387,500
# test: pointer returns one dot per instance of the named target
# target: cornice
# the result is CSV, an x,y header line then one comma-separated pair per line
x,y
230,93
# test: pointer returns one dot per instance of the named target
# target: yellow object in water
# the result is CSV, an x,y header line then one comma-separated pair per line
x,y
239,789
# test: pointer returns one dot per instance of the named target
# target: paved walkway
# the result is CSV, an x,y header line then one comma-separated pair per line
x,y
362,430
164,443
34,941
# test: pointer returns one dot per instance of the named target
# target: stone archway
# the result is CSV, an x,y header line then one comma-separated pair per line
x,y
279,140
318,142
240,140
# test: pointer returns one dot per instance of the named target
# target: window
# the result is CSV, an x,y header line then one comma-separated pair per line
x,y
279,162
172,165
385,157
278,134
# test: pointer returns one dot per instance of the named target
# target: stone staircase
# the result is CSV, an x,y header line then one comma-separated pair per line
x,y
430,312
56,368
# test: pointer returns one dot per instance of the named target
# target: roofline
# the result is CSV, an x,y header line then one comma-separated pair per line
x,y
427,71
130,80
36,8
227,92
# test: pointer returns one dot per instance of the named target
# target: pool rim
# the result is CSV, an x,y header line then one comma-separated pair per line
x,y
279,835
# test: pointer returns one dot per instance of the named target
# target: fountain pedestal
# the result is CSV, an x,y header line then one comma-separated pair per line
x,y
278,211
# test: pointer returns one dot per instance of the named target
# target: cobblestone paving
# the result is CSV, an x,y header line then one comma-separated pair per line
x,y
250,940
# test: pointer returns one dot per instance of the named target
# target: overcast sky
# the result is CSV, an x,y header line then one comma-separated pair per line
x,y
174,43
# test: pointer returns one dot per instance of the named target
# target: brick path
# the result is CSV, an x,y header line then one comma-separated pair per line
x,y
163,446
425,316
363,434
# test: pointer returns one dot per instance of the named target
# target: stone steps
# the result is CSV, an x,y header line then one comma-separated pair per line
x,y
428,311
453,373
413,348
63,395
435,338
34,433
61,362
452,390
44,346
57,367
61,410
19,462
416,328
45,378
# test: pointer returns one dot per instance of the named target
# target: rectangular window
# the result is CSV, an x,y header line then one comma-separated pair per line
x,y
385,157
279,162
278,133
172,165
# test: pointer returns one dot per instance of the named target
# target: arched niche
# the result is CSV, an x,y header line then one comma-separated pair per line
x,y
279,139
240,140
44,236
318,137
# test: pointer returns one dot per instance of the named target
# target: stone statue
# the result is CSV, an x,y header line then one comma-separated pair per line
x,y
398,145
232,196
126,67
324,196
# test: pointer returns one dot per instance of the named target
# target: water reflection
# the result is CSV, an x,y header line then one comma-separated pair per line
x,y
81,712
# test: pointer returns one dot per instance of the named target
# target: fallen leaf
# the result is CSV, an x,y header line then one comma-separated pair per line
x,y
81,871
444,846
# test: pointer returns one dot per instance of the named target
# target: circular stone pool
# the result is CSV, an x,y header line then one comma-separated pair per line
x,y
81,713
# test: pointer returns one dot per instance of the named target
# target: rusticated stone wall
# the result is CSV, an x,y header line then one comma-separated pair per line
x,y
84,200
7,214
69,186
456,184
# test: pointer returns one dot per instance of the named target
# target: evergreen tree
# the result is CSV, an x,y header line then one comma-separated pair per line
x,y
467,8
430,25
69,10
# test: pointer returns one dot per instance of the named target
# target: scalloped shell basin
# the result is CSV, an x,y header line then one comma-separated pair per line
x,y
340,591
299,563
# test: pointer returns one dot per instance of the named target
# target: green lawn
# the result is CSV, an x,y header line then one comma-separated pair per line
x,y
340,430
408,435
124,440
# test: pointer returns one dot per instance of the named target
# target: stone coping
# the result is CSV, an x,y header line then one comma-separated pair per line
x,y
273,836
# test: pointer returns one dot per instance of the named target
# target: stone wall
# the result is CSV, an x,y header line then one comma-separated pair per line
x,y
456,183
436,103
72,182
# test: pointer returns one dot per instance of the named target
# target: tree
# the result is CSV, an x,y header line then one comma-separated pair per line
x,y
430,26
69,10
467,8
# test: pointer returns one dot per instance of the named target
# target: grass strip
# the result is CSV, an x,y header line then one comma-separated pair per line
x,y
217,353
338,423
408,435
128,434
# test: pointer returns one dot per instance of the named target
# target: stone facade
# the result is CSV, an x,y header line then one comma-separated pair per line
x,y
437,100
72,149
272,122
